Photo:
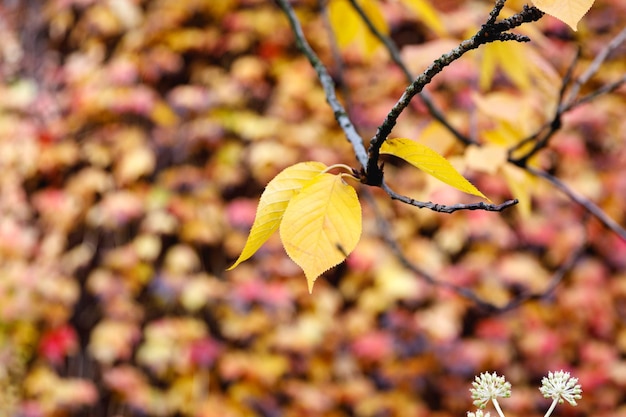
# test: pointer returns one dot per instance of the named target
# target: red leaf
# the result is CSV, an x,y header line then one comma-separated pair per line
x,y
58,343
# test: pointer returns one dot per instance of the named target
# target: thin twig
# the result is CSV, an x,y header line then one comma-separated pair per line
x,y
327,83
339,69
550,128
495,12
595,65
441,208
543,135
557,277
555,280
587,204
488,33
394,53
545,132
605,89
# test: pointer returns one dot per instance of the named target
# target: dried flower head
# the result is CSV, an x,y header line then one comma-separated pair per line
x,y
488,387
560,386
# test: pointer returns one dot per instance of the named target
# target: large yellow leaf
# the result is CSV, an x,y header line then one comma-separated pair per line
x,y
428,14
567,11
273,203
430,162
322,225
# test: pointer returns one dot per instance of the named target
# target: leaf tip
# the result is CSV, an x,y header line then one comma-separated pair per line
x,y
239,260
569,12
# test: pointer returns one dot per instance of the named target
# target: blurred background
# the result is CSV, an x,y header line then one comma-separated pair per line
x,y
136,137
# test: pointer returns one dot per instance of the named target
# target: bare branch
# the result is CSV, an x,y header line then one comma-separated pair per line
x,y
547,131
327,83
487,33
355,139
339,69
391,47
588,205
596,64
605,89
495,12
557,276
447,209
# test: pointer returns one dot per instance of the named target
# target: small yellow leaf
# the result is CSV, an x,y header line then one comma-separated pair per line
x,y
567,11
509,107
488,158
350,29
273,203
163,115
428,14
430,162
344,21
514,62
321,225
511,59
520,183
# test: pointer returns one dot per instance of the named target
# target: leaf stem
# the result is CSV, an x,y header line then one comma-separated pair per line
x,y
342,166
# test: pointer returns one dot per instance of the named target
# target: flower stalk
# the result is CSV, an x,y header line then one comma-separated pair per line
x,y
559,386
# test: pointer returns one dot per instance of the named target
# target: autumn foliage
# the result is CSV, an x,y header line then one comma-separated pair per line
x,y
138,138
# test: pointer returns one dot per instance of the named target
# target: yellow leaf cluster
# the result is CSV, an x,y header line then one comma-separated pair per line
x,y
321,225
273,204
318,214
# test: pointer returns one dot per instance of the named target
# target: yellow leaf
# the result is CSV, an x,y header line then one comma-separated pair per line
x,y
349,28
430,162
273,203
520,183
514,63
567,11
344,21
322,225
488,158
428,14
437,137
511,58
163,115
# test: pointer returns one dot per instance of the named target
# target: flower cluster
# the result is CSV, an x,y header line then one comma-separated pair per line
x,y
488,387
559,386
